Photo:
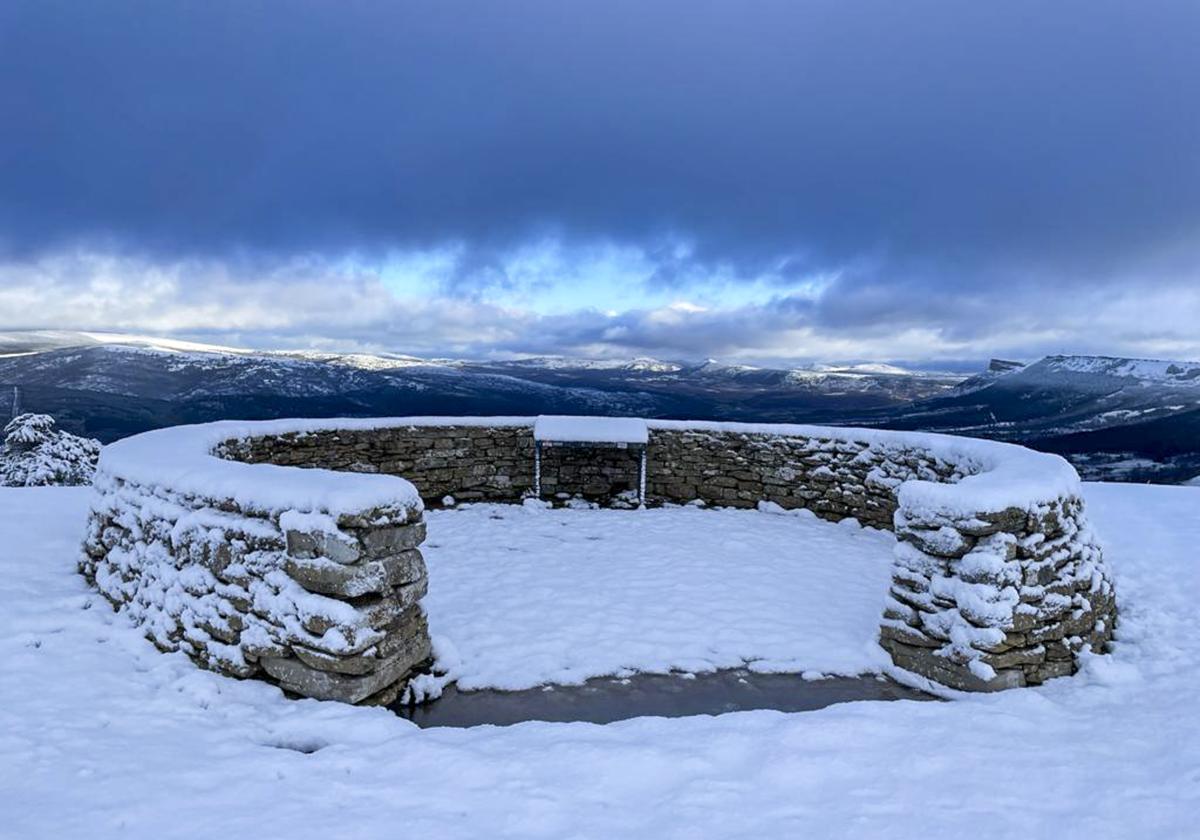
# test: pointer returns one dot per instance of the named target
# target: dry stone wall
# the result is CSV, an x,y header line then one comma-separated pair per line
x,y
325,606
982,600
469,462
998,581
997,599
608,475
834,478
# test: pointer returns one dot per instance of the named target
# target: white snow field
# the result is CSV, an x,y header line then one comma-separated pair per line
x,y
103,736
520,596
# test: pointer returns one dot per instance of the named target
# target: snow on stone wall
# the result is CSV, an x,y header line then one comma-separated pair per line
x,y
470,460
998,580
996,598
316,591
35,453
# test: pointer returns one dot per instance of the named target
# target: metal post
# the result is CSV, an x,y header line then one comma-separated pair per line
x,y
537,468
642,479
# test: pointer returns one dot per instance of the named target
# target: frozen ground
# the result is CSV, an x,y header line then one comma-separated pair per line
x,y
521,596
101,736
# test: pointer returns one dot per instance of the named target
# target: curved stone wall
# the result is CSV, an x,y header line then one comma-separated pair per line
x,y
311,580
998,581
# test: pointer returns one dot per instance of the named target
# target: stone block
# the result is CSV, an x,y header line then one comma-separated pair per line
x,y
942,542
1050,669
340,548
379,613
1016,658
413,646
299,678
907,636
1010,520
390,514
927,663
374,576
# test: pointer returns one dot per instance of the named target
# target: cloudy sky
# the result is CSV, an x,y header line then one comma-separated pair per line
x,y
931,182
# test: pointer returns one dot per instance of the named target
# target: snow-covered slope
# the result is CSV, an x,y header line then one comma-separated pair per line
x,y
640,364
1125,418
26,341
716,390
1142,372
1104,375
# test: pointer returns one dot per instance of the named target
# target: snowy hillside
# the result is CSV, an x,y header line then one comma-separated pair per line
x,y
35,341
1084,392
107,737
1122,419
112,385
1143,372
1125,419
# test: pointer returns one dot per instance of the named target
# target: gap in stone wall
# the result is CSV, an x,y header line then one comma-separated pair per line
x,y
598,474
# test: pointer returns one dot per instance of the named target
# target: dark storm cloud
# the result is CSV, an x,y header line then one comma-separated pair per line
x,y
945,144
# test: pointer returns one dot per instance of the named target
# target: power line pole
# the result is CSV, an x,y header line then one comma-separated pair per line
x,y
16,402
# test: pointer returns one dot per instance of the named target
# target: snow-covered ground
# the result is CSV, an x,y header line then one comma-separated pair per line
x,y
521,596
101,735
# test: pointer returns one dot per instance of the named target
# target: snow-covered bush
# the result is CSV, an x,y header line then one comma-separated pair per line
x,y
37,453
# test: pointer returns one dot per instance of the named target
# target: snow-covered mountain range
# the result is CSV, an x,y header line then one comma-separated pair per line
x,y
110,385
1134,419
1114,417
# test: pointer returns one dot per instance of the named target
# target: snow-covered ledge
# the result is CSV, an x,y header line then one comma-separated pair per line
x,y
998,581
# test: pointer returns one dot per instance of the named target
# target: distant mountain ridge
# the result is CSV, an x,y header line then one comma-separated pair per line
x,y
110,385
1136,419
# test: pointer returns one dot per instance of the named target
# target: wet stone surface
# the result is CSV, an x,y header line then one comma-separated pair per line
x,y
608,699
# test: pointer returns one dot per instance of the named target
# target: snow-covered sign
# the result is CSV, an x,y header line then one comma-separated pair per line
x,y
614,430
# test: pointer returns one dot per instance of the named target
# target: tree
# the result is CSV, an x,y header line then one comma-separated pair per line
x,y
37,453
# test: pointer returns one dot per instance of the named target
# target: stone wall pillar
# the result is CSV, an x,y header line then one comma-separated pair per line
x,y
326,606
996,600
376,569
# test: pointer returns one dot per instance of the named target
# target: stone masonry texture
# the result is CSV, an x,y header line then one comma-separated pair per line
x,y
994,600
